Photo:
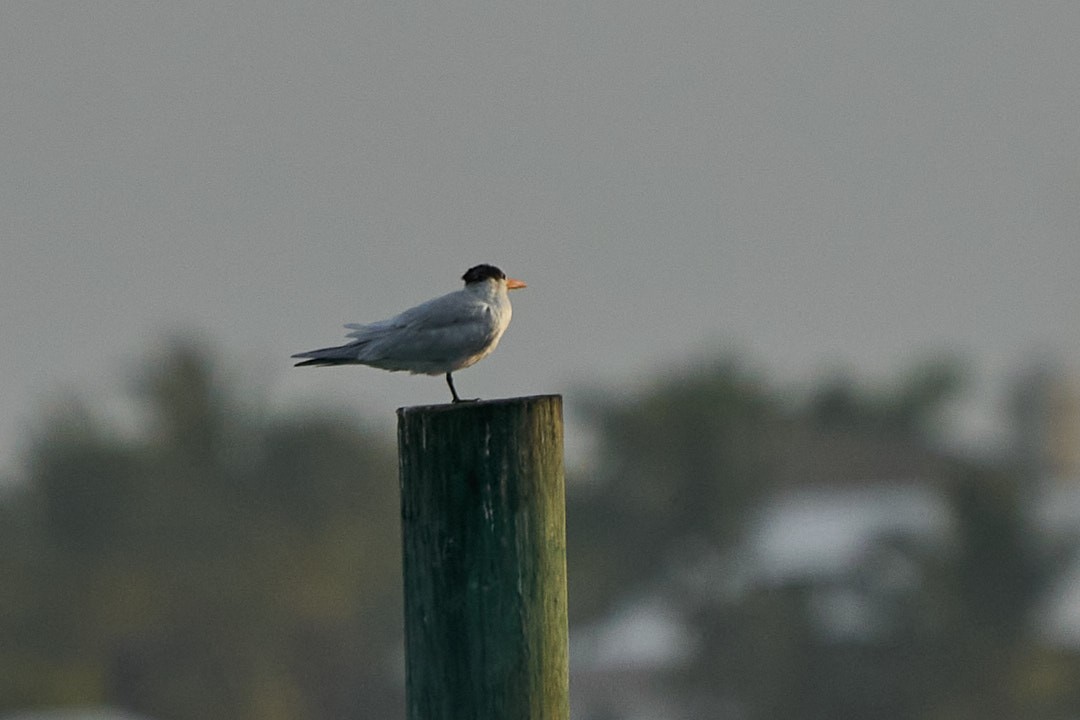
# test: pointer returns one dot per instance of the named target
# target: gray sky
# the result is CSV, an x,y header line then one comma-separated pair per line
x,y
811,183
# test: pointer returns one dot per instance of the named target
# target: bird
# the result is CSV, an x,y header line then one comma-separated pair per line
x,y
443,335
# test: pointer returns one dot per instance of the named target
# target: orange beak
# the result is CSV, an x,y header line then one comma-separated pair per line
x,y
512,284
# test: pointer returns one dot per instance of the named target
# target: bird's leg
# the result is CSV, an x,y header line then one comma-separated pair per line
x,y
450,382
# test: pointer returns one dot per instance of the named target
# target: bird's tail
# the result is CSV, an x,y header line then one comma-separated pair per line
x,y
340,355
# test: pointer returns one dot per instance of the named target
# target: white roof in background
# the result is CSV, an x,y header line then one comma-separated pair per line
x,y
644,635
822,532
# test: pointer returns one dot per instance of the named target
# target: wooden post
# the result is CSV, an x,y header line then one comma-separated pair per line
x,y
484,534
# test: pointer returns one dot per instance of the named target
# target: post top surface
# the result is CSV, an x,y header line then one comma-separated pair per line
x,y
464,406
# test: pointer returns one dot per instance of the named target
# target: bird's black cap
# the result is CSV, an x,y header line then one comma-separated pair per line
x,y
483,272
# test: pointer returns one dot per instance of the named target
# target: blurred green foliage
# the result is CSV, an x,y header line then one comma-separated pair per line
x,y
221,561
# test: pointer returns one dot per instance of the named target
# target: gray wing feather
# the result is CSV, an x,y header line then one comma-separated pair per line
x,y
436,333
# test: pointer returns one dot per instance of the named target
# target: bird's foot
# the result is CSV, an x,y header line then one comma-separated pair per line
x,y
453,391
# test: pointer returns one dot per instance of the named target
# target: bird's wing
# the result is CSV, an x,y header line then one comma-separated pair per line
x,y
451,310
442,311
438,330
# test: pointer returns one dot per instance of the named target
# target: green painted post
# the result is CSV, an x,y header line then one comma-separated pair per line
x,y
484,536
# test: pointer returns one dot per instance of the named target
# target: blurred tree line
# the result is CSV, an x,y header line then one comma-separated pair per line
x,y
218,565
224,562
683,471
